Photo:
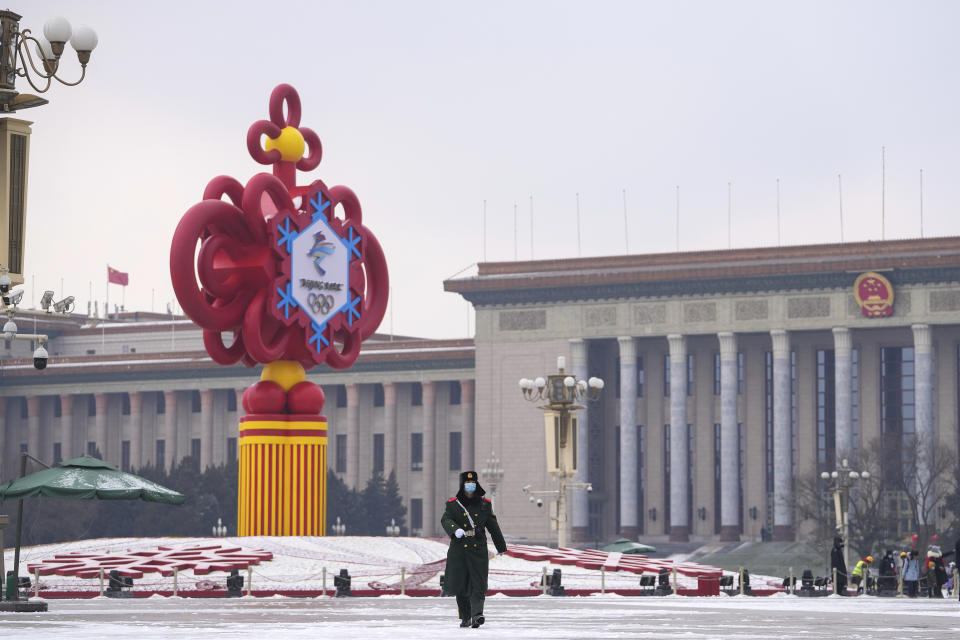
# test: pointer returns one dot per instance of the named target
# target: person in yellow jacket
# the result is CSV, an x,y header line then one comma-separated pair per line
x,y
862,568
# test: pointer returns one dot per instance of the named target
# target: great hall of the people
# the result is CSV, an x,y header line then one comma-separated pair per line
x,y
729,374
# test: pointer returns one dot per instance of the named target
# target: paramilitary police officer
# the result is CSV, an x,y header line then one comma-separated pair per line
x,y
466,520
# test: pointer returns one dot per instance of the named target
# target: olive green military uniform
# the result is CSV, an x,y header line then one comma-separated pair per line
x,y
467,558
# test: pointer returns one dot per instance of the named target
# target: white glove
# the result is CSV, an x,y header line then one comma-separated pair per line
x,y
459,533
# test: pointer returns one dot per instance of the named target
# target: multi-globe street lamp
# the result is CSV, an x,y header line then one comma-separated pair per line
x,y
561,394
393,529
41,66
492,474
219,529
840,481
339,528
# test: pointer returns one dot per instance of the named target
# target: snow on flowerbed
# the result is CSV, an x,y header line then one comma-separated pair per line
x,y
374,563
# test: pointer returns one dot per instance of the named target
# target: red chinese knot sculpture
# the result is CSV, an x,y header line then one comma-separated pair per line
x,y
277,267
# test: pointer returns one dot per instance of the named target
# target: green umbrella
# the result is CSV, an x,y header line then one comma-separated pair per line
x,y
87,478
628,546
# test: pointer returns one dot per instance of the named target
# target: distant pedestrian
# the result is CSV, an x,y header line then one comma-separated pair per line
x,y
860,571
466,520
936,574
837,564
911,574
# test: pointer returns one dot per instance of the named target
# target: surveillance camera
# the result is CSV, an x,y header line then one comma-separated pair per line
x,y
64,306
46,300
9,330
15,297
532,499
539,502
589,488
40,357
5,282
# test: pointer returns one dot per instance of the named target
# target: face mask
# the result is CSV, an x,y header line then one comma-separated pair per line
x,y
470,487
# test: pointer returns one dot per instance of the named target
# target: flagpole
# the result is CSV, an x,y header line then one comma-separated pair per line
x,y
921,203
107,314
840,195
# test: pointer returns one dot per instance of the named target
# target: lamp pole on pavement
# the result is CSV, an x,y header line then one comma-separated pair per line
x,y
562,394
840,481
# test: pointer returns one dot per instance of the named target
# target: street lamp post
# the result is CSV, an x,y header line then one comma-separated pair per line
x,y
339,529
840,481
562,394
492,474
40,67
393,529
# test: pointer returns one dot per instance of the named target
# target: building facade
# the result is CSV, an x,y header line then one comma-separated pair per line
x,y
737,372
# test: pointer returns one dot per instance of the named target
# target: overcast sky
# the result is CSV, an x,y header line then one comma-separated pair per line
x,y
426,109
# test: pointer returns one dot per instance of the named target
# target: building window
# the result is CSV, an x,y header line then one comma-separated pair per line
x,y
691,457
716,373
666,477
378,395
455,392
717,479
126,404
416,452
455,448
92,449
341,395
231,449
161,403
91,406
341,453
125,455
416,394
897,410
57,453
416,515
826,410
23,409
378,453
641,449
690,373
161,453
640,381
739,372
57,407
231,400
195,404
195,449
666,375
23,447
741,451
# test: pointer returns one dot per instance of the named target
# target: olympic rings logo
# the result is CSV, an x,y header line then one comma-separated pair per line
x,y
320,303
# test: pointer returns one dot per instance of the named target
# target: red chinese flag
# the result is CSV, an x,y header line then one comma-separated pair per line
x,y
117,277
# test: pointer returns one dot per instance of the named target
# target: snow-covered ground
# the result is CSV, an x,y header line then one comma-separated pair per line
x,y
298,565
538,617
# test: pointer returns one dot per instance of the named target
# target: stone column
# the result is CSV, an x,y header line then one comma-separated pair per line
x,y
390,461
843,393
729,449
628,438
353,436
206,428
926,428
580,518
429,458
66,426
100,423
782,438
33,427
468,441
170,428
679,453
136,429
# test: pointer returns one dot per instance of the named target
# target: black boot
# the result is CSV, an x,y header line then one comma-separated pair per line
x,y
477,620
465,622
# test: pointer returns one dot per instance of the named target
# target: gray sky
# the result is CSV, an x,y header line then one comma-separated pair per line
x,y
426,109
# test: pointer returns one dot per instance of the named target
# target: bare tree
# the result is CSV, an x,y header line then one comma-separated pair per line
x,y
924,472
870,524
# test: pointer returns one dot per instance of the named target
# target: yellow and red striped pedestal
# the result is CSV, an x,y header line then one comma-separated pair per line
x,y
283,464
